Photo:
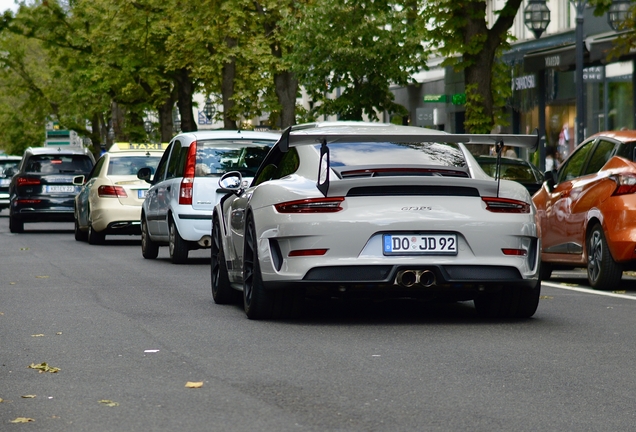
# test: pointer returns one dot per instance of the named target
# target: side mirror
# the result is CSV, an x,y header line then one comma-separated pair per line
x,y
78,180
145,174
231,182
550,178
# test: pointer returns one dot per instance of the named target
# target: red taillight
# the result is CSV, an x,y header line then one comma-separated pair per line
x,y
505,205
29,201
313,205
625,184
515,252
307,252
185,189
28,181
111,192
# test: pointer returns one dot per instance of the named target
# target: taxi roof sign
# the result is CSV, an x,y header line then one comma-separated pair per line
x,y
123,146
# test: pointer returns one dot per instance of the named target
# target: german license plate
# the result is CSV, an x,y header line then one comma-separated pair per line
x,y
141,193
420,244
65,189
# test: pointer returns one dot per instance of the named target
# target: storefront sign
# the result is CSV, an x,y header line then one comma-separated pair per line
x,y
593,74
435,98
523,83
552,61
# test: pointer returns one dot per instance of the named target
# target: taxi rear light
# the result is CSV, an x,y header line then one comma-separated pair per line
x,y
625,184
505,205
28,181
111,192
312,205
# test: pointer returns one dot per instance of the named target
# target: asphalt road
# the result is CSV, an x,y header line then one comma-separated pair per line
x,y
127,334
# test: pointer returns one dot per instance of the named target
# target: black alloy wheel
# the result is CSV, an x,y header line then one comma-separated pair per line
x,y
222,292
149,249
177,245
603,273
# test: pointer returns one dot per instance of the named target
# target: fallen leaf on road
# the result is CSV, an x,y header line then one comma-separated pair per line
x,y
22,420
546,297
569,284
12,283
27,396
41,277
37,335
1,400
24,248
619,292
43,367
58,333
191,384
109,403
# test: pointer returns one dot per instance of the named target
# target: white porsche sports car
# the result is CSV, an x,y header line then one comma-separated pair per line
x,y
354,208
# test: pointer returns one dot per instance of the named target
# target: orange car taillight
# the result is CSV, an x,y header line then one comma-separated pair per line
x,y
505,205
185,189
27,181
111,192
625,184
312,205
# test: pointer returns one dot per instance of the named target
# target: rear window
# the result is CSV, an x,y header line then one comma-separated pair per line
x,y
396,153
6,164
216,157
130,165
56,164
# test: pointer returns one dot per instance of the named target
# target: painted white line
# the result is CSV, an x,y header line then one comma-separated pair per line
x,y
588,290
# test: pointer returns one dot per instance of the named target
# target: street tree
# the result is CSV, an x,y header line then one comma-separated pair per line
x,y
347,54
460,32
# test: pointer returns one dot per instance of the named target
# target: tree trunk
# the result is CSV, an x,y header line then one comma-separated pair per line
x,y
96,135
118,123
185,88
227,88
286,89
166,122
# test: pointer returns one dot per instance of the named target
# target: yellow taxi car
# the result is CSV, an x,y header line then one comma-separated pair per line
x,y
110,199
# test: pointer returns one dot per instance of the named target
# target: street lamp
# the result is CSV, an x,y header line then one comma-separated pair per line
x,y
208,109
536,16
148,126
617,13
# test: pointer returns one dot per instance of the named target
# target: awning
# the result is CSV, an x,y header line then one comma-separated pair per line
x,y
562,57
601,45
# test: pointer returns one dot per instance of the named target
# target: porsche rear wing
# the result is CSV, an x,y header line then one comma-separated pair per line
x,y
313,133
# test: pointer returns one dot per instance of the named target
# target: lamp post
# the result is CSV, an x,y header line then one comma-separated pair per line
x,y
617,13
148,126
536,16
580,6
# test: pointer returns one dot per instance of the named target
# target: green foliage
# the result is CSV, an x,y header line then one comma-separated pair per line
x,y
347,53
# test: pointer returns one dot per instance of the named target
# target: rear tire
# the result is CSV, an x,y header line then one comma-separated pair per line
x,y
178,246
95,237
149,249
222,292
603,273
16,226
545,271
259,302
80,236
509,303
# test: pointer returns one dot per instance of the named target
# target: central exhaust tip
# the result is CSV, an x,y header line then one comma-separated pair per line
x,y
206,241
407,278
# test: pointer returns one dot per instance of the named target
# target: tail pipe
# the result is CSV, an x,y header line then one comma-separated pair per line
x,y
409,278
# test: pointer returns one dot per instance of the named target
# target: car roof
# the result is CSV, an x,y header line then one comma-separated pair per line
x,y
120,147
10,157
57,150
622,135
231,134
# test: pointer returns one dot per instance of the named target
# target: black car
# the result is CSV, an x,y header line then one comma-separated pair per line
x,y
42,190
8,166
518,170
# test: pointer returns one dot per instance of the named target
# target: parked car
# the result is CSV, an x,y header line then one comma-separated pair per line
x,y
587,210
518,170
354,208
8,167
110,199
43,189
177,210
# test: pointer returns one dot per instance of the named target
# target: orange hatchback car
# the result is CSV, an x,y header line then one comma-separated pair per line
x,y
587,210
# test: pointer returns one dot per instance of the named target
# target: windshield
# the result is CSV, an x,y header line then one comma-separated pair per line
x,y
56,164
130,165
396,153
216,157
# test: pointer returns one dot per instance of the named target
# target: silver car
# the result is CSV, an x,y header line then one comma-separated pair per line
x,y
353,208
177,209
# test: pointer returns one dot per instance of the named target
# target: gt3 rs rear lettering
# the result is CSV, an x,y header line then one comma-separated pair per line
x,y
420,208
